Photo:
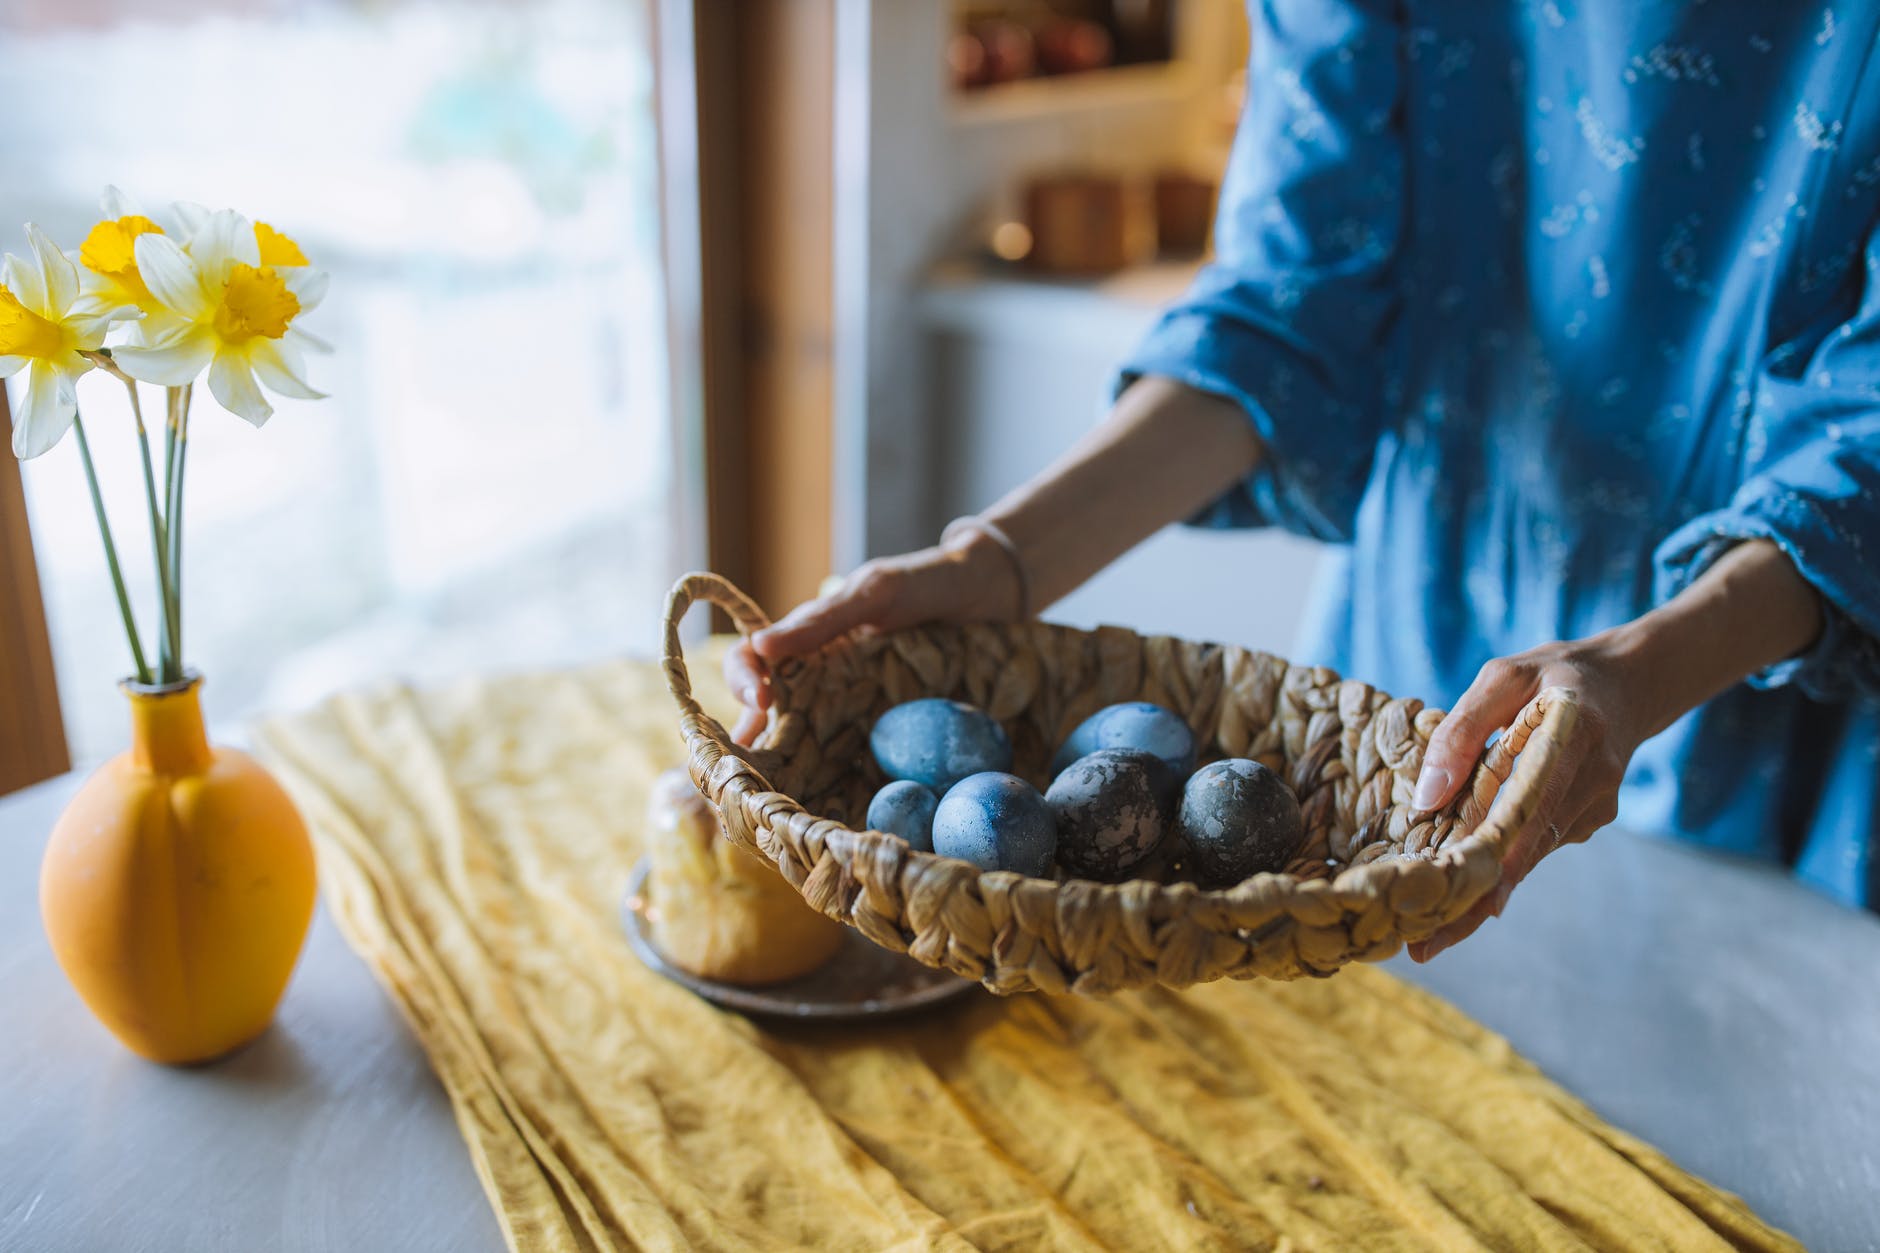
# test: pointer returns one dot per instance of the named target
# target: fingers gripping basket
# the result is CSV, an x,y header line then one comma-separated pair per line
x,y
1372,875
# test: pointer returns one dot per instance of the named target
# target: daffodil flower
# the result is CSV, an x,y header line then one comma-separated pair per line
x,y
224,305
110,280
43,331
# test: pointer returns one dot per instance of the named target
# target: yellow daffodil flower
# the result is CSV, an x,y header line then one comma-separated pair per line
x,y
44,327
225,305
110,280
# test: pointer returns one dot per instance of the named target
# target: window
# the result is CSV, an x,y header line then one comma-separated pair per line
x,y
491,483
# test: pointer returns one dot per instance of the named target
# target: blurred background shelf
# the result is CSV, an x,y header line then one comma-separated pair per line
x,y
1093,91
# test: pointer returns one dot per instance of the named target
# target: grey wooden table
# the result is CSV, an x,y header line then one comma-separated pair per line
x,y
1715,1009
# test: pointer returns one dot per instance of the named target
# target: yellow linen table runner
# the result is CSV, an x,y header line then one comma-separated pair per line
x,y
474,845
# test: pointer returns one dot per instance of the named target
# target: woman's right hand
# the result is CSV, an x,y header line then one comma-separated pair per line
x,y
970,579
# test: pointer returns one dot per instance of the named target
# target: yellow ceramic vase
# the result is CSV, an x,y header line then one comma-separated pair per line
x,y
178,886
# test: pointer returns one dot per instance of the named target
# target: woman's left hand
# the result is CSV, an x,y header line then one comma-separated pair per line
x,y
1750,609
1620,706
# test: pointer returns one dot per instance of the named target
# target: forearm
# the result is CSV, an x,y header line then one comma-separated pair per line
x,y
1750,610
1164,451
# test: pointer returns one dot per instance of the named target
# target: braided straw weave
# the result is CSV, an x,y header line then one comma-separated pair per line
x,y
1372,875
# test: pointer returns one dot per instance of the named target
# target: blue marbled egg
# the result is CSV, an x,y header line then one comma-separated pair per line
x,y
1238,818
1136,724
938,742
1112,808
997,822
905,808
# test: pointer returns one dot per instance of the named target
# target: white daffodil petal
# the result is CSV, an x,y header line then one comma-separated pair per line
x,y
292,359
161,329
23,279
277,373
190,218
9,366
94,290
308,286
227,238
305,339
170,363
137,334
104,302
97,292
89,329
118,205
44,413
235,390
171,276
60,274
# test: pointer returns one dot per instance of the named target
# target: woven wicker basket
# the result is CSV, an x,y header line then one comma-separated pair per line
x,y
1373,873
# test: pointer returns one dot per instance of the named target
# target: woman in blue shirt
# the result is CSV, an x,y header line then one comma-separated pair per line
x,y
1562,321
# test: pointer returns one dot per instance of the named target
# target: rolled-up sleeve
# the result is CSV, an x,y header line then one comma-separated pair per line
x,y
1812,487
1293,319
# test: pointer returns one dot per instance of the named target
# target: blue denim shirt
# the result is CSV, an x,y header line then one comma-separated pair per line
x,y
1540,307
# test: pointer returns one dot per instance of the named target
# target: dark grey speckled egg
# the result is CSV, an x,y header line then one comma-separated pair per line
x,y
1238,819
1112,807
997,822
938,742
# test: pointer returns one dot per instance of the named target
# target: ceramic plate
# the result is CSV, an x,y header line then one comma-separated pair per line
x,y
863,980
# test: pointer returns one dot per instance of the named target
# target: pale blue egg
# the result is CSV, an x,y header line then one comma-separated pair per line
x,y
905,808
1136,724
997,822
938,742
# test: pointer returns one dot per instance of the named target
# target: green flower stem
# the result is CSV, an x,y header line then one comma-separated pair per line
x,y
175,516
169,451
169,666
110,552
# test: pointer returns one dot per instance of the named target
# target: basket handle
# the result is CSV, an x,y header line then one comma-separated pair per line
x,y
694,723
1507,788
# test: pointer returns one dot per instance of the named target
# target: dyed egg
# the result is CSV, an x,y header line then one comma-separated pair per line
x,y
938,742
1112,808
1133,724
996,822
905,808
1238,819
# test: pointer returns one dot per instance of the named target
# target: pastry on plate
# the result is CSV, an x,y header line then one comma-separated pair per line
x,y
718,911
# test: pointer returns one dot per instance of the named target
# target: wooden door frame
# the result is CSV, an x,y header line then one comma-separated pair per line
x,y
747,134
32,730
